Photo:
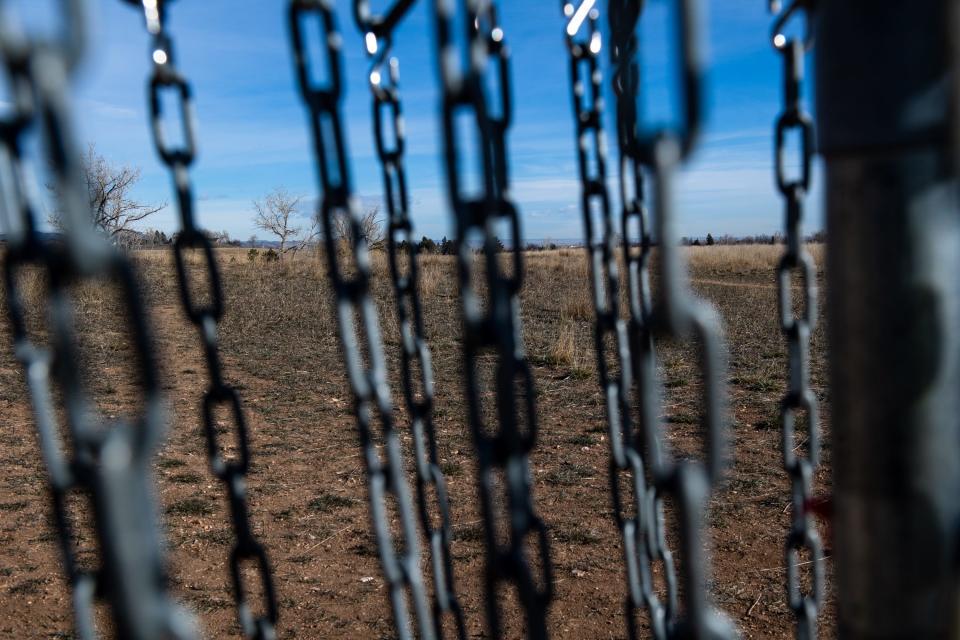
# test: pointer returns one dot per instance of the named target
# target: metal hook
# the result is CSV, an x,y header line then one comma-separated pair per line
x,y
777,36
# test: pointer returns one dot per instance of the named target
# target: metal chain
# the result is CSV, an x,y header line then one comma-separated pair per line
x,y
626,454
492,327
676,314
350,277
206,317
402,247
799,397
107,462
650,537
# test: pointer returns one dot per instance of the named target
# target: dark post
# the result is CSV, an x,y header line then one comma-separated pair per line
x,y
893,223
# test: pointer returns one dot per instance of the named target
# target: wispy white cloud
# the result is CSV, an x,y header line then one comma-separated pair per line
x,y
254,135
101,108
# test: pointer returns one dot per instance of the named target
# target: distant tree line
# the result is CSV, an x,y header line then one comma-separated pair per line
x,y
776,238
283,215
154,238
444,247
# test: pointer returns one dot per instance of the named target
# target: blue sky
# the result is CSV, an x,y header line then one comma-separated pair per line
x,y
253,131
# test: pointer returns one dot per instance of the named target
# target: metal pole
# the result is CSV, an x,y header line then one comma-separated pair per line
x,y
893,263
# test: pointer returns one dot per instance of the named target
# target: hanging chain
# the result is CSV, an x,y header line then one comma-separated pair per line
x,y
677,314
647,545
402,247
206,317
350,276
108,462
492,327
626,459
799,398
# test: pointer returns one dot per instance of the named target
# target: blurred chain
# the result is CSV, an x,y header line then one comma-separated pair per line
x,y
389,135
470,45
641,549
349,269
648,544
674,314
108,462
799,397
206,317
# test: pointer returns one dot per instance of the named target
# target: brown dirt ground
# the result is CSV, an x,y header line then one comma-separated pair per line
x,y
307,486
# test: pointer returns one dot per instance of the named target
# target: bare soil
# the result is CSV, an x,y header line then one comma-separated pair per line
x,y
307,484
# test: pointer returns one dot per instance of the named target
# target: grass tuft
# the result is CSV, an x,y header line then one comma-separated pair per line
x,y
329,502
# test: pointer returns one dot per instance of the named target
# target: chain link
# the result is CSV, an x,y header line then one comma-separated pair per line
x,y
649,537
107,462
402,247
641,549
350,276
799,397
676,314
491,327
231,472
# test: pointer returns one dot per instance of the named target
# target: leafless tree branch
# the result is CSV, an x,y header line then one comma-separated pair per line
x,y
276,213
371,227
112,208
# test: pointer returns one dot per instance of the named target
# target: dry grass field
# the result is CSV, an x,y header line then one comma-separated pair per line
x,y
307,486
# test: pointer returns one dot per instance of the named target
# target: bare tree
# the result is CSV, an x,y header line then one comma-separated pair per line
x,y
154,238
220,238
371,227
112,207
277,213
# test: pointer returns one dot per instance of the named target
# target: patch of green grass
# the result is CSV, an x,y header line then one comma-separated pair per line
x,y
745,484
208,604
580,373
451,469
763,386
582,439
568,474
472,533
283,515
189,507
328,502
538,360
186,478
755,384
675,383
577,535
30,586
765,424
366,547
216,536
302,559
683,418
170,463
47,535
19,505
